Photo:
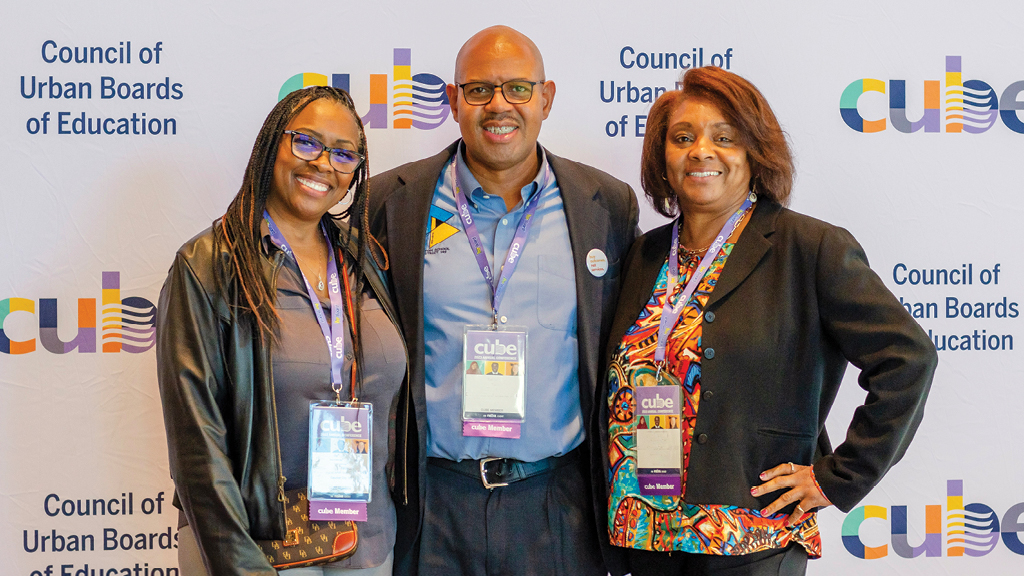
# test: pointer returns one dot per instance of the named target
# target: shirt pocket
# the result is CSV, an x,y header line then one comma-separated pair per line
x,y
380,336
556,292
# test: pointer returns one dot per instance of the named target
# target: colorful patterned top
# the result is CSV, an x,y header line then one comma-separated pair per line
x,y
668,523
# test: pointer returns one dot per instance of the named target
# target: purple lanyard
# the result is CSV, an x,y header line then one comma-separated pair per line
x,y
334,333
514,251
669,313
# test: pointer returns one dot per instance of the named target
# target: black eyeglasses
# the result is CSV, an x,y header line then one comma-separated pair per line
x,y
308,148
514,91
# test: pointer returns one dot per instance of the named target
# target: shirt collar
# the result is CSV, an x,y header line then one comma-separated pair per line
x,y
267,244
539,182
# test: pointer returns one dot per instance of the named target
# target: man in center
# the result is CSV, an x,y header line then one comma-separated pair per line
x,y
496,233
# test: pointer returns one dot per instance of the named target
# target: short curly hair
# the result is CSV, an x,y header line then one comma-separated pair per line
x,y
745,108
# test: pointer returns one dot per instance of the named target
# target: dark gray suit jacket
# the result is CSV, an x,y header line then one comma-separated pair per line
x,y
795,301
601,212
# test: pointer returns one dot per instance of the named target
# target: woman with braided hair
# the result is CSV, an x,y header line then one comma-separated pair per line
x,y
278,308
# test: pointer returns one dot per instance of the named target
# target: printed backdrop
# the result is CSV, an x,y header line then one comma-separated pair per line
x,y
125,127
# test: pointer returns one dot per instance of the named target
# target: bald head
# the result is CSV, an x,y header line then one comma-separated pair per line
x,y
496,44
500,137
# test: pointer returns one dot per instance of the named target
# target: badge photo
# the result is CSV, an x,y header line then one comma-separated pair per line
x,y
493,381
340,460
659,440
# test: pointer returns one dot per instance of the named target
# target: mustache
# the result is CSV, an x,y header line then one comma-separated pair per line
x,y
501,117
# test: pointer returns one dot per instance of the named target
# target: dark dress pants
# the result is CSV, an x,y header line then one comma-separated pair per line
x,y
542,525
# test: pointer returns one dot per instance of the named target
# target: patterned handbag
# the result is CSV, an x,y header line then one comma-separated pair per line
x,y
306,542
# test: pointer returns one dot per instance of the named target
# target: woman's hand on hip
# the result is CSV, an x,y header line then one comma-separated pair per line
x,y
802,491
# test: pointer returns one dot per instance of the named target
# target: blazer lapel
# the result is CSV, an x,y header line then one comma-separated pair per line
x,y
407,211
639,276
749,250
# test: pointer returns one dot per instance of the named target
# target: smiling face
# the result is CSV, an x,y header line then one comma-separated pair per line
x,y
303,191
705,163
500,136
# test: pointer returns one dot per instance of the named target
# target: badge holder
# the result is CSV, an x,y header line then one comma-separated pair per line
x,y
493,381
659,454
659,440
340,460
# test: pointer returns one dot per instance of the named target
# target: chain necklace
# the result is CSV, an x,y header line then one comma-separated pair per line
x,y
690,253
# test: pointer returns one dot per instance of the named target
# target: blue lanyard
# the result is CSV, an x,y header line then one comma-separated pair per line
x,y
515,250
334,333
669,313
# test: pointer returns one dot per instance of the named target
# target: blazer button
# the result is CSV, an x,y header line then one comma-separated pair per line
x,y
709,353
706,395
702,439
709,316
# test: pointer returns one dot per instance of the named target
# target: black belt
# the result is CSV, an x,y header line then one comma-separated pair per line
x,y
495,472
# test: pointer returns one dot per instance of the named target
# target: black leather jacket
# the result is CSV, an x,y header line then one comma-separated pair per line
x,y
217,392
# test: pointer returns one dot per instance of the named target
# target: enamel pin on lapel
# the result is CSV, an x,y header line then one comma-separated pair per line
x,y
597,262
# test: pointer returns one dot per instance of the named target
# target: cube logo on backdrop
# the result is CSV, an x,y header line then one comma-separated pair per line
x,y
967,105
126,324
419,101
970,530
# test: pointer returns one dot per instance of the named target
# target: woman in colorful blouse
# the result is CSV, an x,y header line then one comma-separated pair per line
x,y
718,395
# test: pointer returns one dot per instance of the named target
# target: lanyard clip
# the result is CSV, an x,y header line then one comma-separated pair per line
x,y
657,375
494,320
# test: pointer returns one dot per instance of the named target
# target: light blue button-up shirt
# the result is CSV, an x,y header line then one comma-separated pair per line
x,y
540,296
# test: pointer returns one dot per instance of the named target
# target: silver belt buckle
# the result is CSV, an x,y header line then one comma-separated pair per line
x,y
483,474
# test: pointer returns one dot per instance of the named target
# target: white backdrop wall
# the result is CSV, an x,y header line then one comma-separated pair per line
x,y
91,221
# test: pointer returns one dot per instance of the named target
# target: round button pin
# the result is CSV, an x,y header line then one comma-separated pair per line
x,y
597,263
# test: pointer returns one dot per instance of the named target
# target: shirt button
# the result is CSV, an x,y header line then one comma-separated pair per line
x,y
706,395
504,220
504,319
709,316
702,439
487,197
709,353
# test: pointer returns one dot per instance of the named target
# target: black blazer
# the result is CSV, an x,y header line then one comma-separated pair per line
x,y
795,301
601,212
